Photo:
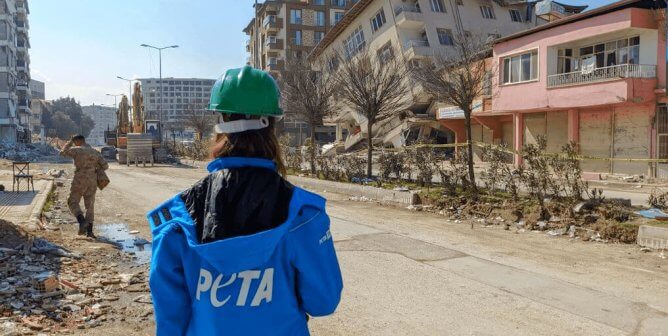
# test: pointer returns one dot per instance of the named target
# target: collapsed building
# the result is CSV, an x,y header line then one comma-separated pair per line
x,y
416,31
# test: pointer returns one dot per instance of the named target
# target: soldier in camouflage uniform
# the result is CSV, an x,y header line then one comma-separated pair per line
x,y
87,162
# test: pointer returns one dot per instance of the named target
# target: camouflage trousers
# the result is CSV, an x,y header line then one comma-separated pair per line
x,y
83,187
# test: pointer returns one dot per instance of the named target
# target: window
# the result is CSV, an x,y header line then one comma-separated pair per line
x,y
487,12
520,68
339,3
297,40
444,36
437,6
600,55
355,42
386,53
296,16
320,18
378,20
319,2
333,63
338,16
318,36
515,15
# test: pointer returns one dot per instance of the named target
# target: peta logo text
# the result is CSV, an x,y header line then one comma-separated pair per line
x,y
227,286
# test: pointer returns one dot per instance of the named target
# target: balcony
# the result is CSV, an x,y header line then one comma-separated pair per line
x,y
272,23
409,16
274,44
417,48
275,66
602,74
22,86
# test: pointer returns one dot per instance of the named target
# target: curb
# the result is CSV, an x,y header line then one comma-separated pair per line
x,y
32,224
355,190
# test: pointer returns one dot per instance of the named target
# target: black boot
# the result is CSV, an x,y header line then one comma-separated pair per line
x,y
82,224
89,231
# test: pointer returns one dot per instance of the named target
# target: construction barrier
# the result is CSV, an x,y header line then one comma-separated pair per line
x,y
509,151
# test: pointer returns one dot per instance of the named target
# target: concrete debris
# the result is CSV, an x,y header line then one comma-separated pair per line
x,y
646,249
631,179
557,232
360,199
24,152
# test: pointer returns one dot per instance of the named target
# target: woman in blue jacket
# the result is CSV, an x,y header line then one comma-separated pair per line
x,y
243,252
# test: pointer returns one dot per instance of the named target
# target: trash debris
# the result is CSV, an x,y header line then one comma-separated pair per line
x,y
653,213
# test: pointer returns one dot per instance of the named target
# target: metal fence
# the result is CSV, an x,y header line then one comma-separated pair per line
x,y
601,74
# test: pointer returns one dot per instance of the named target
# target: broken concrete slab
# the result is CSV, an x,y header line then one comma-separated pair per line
x,y
653,237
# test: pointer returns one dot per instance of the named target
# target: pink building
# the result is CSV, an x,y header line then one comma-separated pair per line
x,y
597,78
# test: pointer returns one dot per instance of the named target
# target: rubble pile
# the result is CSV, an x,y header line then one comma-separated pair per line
x,y
45,288
598,220
24,152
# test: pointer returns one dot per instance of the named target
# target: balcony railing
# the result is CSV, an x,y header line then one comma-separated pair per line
x,y
603,74
417,43
407,8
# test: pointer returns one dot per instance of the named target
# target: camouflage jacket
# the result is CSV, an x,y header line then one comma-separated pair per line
x,y
87,160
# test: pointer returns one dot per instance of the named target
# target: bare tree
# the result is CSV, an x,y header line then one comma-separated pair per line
x,y
458,78
200,120
374,86
308,94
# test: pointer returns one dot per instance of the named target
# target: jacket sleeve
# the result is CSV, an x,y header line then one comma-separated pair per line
x,y
169,291
68,151
319,283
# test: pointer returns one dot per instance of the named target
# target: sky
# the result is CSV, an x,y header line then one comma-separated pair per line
x,y
78,47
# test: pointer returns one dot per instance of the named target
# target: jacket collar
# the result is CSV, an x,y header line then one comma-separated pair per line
x,y
238,162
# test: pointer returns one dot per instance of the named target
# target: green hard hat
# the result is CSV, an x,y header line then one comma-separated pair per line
x,y
246,91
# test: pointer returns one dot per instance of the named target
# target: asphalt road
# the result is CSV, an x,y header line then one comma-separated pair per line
x,y
409,273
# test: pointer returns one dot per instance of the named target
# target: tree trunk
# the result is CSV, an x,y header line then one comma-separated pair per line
x,y
469,139
312,149
369,145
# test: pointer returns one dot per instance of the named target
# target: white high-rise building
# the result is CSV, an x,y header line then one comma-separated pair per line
x,y
15,95
178,96
105,120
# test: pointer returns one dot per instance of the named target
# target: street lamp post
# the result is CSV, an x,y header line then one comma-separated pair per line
x,y
114,95
159,49
129,82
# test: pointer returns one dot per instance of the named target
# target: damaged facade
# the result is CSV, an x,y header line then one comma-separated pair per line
x,y
596,78
415,31
15,100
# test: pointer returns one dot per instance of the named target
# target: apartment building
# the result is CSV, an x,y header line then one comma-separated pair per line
x,y
37,89
14,71
178,96
105,120
597,78
38,107
414,31
291,28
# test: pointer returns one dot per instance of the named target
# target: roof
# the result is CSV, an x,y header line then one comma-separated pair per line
x,y
348,18
616,6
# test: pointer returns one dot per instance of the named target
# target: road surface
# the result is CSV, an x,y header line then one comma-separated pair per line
x,y
409,273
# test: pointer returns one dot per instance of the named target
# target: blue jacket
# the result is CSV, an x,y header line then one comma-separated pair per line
x,y
260,284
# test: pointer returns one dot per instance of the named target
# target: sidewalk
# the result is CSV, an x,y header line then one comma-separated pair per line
x,y
24,208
